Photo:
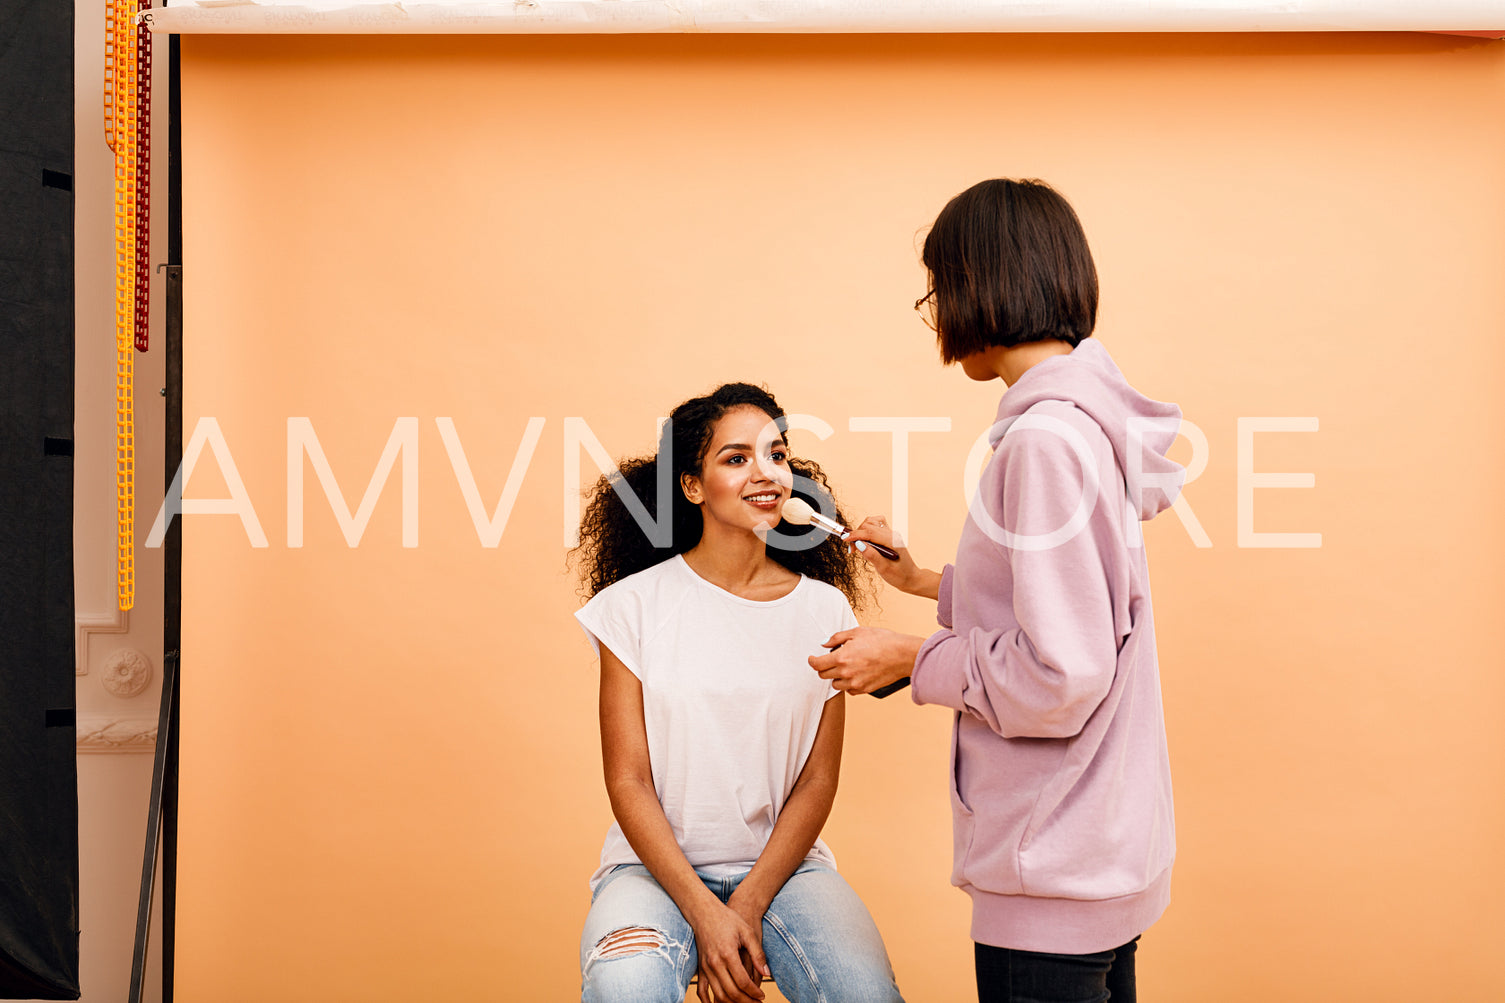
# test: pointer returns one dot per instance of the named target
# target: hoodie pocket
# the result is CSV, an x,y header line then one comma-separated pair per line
x,y
962,822
958,802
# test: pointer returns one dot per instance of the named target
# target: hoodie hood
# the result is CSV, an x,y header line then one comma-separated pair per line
x,y
1140,430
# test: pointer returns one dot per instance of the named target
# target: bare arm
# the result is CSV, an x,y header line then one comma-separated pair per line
x,y
721,934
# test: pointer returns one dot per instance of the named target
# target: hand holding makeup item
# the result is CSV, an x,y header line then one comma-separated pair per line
x,y
799,512
867,660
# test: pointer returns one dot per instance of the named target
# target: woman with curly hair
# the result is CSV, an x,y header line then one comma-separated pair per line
x,y
721,749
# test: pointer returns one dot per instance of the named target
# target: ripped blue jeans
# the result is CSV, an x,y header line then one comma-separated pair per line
x,y
822,945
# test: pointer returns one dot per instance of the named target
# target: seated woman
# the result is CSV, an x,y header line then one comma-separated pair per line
x,y
721,748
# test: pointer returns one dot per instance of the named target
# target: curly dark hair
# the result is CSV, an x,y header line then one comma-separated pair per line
x,y
614,542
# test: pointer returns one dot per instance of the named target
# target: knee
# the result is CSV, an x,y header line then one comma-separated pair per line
x,y
859,980
636,962
862,984
625,943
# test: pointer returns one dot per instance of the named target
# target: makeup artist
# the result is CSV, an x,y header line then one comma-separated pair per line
x,y
1060,779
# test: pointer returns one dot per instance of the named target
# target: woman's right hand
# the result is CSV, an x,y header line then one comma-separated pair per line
x,y
903,574
731,956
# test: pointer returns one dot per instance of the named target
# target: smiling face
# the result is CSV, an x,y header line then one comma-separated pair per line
x,y
744,474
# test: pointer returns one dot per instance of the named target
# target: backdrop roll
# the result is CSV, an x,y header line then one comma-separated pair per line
x,y
390,777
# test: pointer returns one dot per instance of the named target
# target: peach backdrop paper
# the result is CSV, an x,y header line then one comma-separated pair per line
x,y
390,776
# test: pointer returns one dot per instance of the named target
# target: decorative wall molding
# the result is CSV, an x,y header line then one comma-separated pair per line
x,y
115,622
127,672
111,734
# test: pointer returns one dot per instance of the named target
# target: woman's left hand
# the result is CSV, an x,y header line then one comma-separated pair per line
x,y
864,659
730,950
752,915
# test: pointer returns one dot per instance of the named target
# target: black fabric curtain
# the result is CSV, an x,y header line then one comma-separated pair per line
x,y
38,771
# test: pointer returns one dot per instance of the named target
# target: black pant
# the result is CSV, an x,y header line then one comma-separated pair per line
x,y
1007,976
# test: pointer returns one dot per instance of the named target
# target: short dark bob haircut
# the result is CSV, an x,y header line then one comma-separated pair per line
x,y
1008,264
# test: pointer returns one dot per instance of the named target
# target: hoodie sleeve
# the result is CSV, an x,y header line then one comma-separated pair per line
x,y
1044,677
943,596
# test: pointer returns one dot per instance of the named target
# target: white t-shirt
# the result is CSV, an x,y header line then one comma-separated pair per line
x,y
730,703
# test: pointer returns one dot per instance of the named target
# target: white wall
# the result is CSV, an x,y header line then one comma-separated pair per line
x,y
115,732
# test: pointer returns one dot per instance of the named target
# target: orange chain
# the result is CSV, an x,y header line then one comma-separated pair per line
x,y
121,132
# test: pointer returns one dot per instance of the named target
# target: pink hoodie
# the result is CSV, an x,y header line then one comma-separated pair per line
x,y
1061,788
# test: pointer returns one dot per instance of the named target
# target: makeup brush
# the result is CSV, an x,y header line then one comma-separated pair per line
x,y
799,512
